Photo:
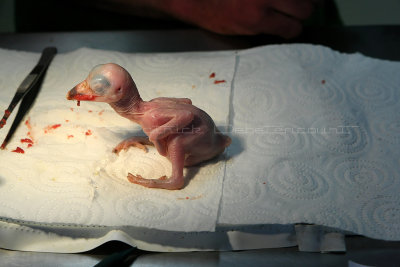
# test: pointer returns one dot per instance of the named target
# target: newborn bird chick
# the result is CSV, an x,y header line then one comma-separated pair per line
x,y
183,133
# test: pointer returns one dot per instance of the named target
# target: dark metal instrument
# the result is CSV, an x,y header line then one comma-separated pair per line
x,y
27,91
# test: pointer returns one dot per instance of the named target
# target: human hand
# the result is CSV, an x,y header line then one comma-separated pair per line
x,y
240,17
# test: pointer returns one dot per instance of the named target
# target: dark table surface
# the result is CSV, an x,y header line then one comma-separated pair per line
x,y
375,41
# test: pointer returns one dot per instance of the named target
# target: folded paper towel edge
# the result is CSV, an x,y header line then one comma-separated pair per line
x,y
318,238
40,238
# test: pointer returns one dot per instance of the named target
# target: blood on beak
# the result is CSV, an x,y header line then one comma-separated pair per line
x,y
80,92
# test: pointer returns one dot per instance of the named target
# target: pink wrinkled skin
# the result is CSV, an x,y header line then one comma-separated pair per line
x,y
180,131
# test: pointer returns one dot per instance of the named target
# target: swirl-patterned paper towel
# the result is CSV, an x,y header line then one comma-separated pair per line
x,y
319,135
68,174
315,140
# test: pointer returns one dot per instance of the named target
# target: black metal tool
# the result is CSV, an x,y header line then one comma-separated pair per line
x,y
27,91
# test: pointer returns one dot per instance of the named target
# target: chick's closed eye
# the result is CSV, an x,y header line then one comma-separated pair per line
x,y
99,83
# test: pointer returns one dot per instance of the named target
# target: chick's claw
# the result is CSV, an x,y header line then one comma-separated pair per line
x,y
163,182
136,141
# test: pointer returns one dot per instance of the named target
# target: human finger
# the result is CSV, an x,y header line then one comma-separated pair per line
x,y
279,24
299,9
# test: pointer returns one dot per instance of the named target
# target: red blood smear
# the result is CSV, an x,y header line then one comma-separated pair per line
x,y
212,75
27,140
78,103
6,115
28,124
323,81
101,112
72,109
18,150
88,132
70,136
85,97
51,127
219,81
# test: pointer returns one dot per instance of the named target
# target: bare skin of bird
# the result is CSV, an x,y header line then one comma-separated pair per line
x,y
180,131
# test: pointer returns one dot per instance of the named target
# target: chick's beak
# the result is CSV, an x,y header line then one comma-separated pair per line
x,y
82,91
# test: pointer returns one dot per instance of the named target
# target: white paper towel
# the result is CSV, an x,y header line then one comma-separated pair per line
x,y
316,139
70,175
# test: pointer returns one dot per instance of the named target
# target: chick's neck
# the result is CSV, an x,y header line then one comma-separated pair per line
x,y
129,105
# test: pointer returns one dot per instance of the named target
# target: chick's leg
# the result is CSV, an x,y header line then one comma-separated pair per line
x,y
176,181
136,141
